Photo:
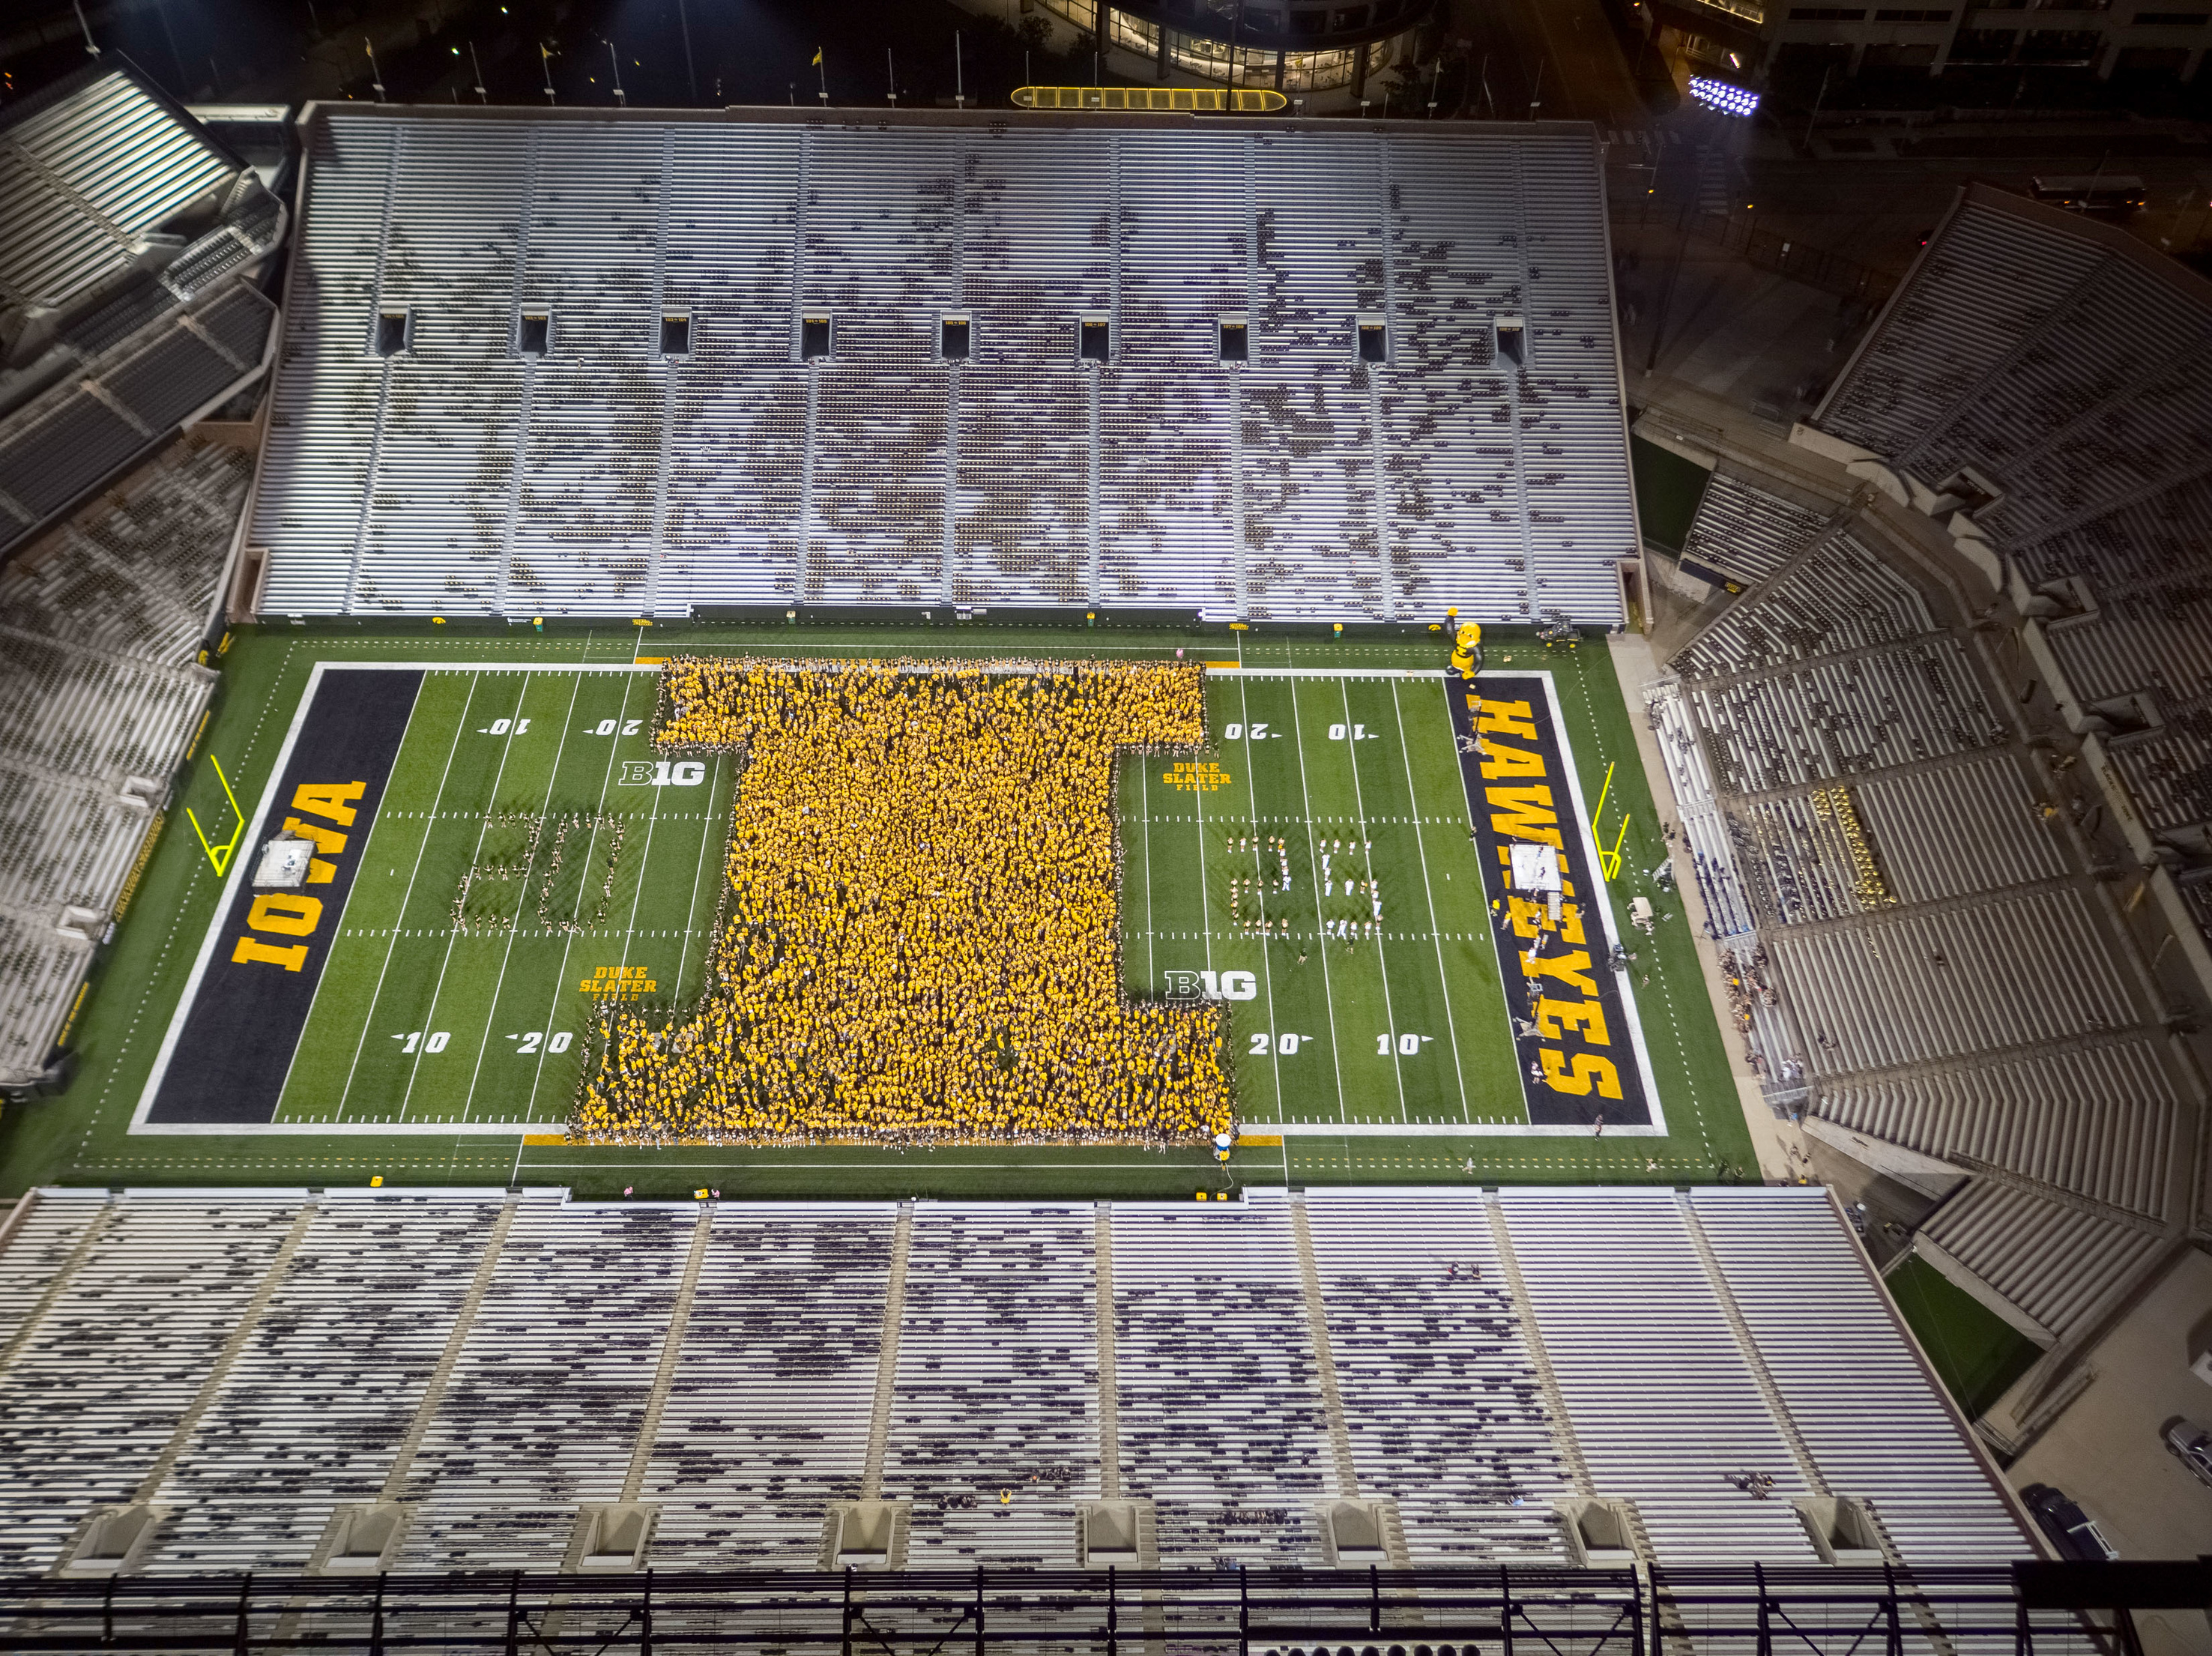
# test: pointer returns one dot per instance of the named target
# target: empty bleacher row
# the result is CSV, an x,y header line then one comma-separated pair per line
x,y
248,1362
1833,718
2098,400
1976,825
1924,986
1928,355
2096,1118
136,575
2141,661
1839,596
2048,1262
88,207
2130,644
99,625
1476,454
1777,1256
1746,531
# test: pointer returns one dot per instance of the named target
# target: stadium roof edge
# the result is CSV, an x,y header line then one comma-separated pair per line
x,y
91,74
2188,282
2185,282
859,117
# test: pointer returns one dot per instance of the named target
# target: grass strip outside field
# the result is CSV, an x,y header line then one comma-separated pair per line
x,y
1977,1354
1668,491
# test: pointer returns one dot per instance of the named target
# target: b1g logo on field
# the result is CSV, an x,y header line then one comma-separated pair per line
x,y
1212,986
660,774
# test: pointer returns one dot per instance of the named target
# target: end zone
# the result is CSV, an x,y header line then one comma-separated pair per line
x,y
229,1046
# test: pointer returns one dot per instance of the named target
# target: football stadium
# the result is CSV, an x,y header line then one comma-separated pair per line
x,y
788,879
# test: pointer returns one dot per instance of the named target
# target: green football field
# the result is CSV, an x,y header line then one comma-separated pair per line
x,y
1406,1026
438,1055
417,1022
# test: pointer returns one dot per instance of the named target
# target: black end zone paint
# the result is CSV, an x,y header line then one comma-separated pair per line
x,y
1548,1105
232,1056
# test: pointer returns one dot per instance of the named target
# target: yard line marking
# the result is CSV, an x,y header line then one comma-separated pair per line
x,y
1205,912
1491,921
537,1076
1313,872
1252,799
468,1103
430,1017
652,821
722,864
1412,793
369,1019
1382,954
1145,785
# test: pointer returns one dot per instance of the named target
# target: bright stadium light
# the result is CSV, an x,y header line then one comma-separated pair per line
x,y
1719,94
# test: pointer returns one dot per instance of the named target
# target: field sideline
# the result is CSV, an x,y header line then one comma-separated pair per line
x,y
1434,962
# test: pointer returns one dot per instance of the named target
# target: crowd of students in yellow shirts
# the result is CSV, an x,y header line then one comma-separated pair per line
x,y
917,942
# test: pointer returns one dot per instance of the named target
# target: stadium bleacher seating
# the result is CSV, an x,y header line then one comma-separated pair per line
x,y
1746,531
125,306
248,1362
601,477
2072,382
1956,975
100,624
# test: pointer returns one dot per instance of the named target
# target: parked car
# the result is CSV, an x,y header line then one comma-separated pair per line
x,y
2192,1443
2071,1529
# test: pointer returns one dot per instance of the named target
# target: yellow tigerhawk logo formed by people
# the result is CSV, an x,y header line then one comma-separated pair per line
x,y
921,916
297,913
1556,940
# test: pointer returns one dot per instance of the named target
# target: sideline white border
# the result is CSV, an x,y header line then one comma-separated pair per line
x,y
1656,1128
238,864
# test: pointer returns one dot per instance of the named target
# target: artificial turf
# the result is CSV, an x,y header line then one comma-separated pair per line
x,y
1669,490
80,1136
1978,1355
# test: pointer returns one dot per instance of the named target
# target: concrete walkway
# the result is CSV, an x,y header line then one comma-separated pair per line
x,y
1784,1155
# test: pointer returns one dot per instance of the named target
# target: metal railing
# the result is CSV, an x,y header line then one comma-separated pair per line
x,y
1805,1610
